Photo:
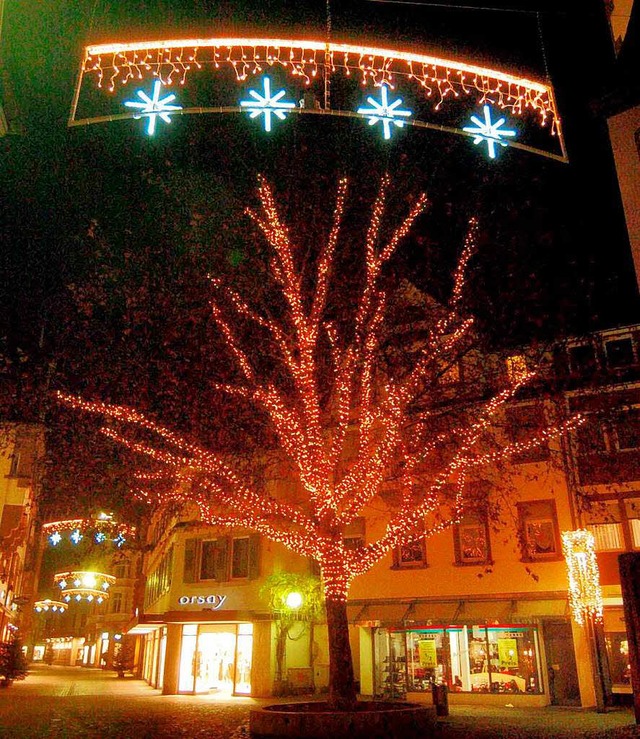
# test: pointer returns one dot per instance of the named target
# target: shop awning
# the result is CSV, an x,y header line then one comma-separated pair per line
x,y
470,611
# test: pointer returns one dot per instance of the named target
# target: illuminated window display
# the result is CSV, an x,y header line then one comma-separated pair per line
x,y
216,658
472,659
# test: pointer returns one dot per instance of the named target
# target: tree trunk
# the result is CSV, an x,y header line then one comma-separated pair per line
x,y
342,688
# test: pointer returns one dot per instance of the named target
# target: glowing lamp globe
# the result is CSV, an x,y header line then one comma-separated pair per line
x,y
293,600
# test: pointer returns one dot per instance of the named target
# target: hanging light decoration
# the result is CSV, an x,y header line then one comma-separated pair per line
x,y
55,606
585,594
99,529
81,585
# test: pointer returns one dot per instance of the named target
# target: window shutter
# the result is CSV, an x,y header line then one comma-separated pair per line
x,y
190,551
254,556
222,557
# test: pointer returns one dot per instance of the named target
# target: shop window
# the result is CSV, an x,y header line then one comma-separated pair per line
x,y
617,645
627,429
474,659
539,530
523,423
411,554
471,540
619,353
240,558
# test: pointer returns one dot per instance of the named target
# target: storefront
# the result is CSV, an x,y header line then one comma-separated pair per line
x,y
216,658
197,657
482,658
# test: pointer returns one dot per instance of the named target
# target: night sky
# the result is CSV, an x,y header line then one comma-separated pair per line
x,y
555,256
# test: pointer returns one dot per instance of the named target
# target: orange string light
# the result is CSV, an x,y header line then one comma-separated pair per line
x,y
343,433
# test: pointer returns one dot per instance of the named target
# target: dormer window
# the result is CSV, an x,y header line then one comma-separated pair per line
x,y
582,359
620,353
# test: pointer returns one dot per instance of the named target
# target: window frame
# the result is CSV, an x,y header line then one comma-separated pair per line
x,y
231,563
401,564
471,521
524,521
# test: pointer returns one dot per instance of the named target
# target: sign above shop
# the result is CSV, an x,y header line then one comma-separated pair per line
x,y
215,601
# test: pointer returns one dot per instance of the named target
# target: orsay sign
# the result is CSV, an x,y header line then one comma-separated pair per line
x,y
215,601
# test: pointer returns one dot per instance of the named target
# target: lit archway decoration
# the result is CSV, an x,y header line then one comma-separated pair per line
x,y
444,92
98,529
79,585
46,605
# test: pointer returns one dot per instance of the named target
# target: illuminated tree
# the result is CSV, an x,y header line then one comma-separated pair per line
x,y
353,401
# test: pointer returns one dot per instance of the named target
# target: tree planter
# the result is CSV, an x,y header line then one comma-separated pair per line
x,y
369,720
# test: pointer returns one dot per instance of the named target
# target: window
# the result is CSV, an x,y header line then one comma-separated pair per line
x,y
240,557
590,437
208,559
159,581
221,559
116,603
604,521
354,534
474,659
619,353
582,359
471,540
523,423
539,530
121,570
627,428
412,554
632,510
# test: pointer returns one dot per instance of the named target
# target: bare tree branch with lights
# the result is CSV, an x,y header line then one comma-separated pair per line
x,y
350,422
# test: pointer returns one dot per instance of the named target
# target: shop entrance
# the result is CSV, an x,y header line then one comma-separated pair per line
x,y
561,664
216,658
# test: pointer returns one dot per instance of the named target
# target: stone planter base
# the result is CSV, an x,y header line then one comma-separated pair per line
x,y
371,720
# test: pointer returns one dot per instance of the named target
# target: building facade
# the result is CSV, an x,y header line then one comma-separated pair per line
x,y
20,465
482,607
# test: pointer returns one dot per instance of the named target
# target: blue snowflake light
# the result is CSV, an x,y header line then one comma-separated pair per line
x,y
76,537
154,107
487,131
99,537
119,540
267,104
55,538
385,112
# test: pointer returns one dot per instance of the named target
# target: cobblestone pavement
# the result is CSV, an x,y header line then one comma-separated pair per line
x,y
65,702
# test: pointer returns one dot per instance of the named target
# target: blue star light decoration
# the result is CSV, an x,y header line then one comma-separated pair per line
x,y
154,107
55,538
99,537
119,540
267,104
385,112
76,537
487,131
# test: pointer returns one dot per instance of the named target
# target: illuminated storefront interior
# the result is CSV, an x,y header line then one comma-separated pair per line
x,y
468,659
216,658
